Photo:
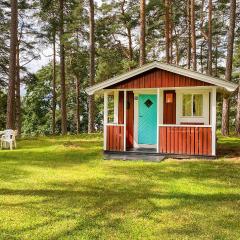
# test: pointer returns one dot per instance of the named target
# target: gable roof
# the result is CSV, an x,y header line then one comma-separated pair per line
x,y
163,66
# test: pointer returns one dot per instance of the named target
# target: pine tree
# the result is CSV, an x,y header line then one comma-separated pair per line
x,y
228,72
62,69
12,65
92,66
193,34
142,33
210,37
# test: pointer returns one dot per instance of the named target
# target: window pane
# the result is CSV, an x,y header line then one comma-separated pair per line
x,y
187,105
169,98
197,105
110,108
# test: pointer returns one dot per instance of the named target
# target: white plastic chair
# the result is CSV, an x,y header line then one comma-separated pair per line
x,y
9,137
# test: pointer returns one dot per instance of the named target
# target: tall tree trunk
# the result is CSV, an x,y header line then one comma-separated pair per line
x,y
228,72
167,29
54,87
92,67
171,30
201,57
209,37
238,112
12,65
78,104
193,34
129,33
18,96
177,53
62,70
130,48
216,58
142,33
189,34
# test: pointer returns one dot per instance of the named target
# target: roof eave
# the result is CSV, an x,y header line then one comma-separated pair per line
x,y
227,85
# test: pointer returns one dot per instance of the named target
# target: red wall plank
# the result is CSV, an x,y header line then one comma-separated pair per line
x,y
115,138
130,119
185,140
196,141
188,140
121,107
192,141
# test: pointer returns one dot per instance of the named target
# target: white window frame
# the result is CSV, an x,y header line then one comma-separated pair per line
x,y
115,95
192,116
194,119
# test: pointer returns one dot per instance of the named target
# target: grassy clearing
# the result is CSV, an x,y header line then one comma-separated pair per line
x,y
59,188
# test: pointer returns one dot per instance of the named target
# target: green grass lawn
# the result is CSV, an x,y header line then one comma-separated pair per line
x,y
60,188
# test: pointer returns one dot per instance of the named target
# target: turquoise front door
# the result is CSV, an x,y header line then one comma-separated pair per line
x,y
147,119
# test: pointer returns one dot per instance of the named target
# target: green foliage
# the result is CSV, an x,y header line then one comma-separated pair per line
x,y
3,109
4,46
37,104
115,21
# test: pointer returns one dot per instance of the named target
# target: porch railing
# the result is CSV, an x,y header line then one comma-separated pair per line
x,y
185,139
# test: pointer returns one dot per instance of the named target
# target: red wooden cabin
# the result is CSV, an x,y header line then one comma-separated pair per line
x,y
167,109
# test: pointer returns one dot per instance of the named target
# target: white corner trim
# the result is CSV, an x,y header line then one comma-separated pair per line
x,y
213,120
158,108
116,93
125,121
135,142
105,114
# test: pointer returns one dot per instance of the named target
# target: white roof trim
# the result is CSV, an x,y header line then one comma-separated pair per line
x,y
167,67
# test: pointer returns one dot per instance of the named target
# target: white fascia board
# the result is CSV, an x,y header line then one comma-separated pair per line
x,y
198,76
120,78
167,67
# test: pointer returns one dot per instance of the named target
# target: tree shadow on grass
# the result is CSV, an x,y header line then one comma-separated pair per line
x,y
199,171
106,204
64,154
127,196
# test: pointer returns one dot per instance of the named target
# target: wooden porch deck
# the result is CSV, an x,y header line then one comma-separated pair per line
x,y
149,155
135,154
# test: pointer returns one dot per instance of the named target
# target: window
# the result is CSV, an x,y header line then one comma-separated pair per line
x,y
169,98
187,105
110,108
192,105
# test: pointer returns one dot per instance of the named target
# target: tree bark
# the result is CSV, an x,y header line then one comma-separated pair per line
x,y
142,33
209,37
129,33
238,112
167,30
18,95
189,34
12,65
171,23
177,53
193,34
216,59
78,104
228,72
62,70
201,57
54,87
130,48
92,66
